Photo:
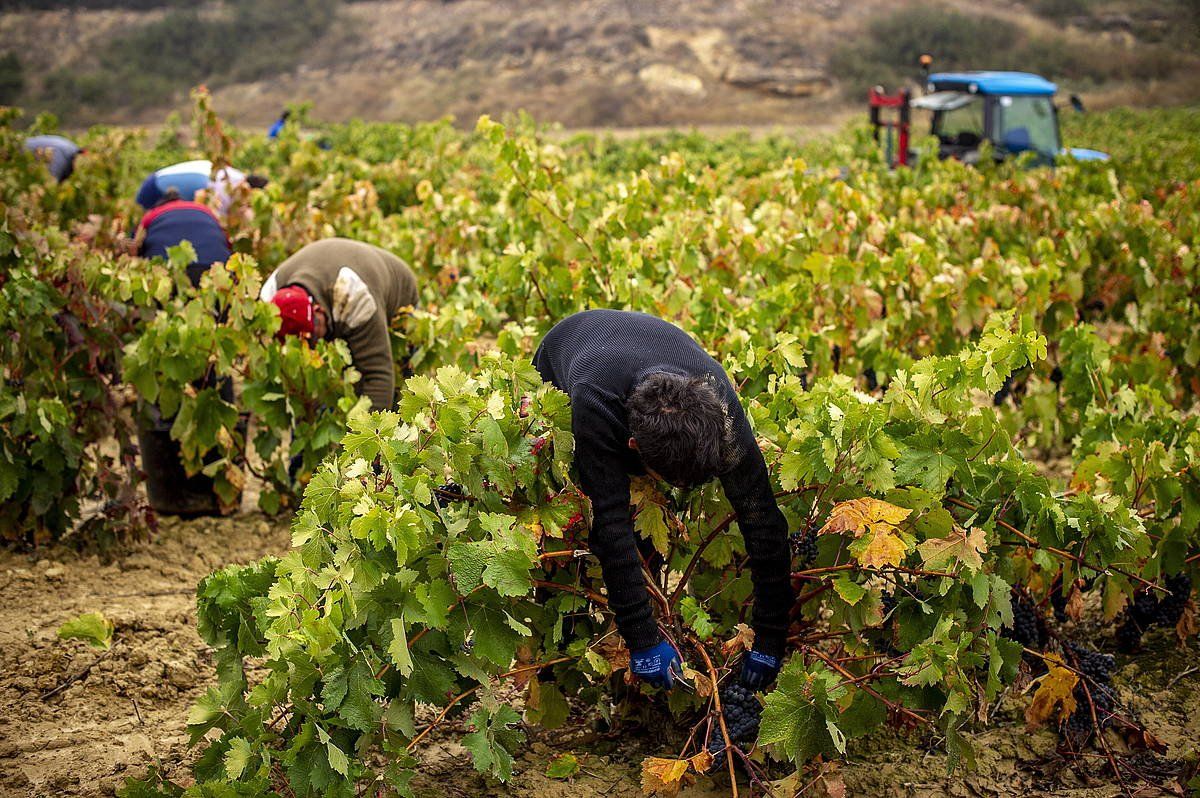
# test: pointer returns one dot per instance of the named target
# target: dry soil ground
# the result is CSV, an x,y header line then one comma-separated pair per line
x,y
127,711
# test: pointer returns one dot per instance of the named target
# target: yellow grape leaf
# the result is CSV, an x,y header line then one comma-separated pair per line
x,y
742,640
884,549
663,776
236,477
702,761
700,681
959,546
863,515
1055,696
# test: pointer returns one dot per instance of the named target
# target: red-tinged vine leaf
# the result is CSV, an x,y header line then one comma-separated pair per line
x,y
1074,608
524,657
742,640
1055,696
1138,738
613,651
960,546
830,784
664,776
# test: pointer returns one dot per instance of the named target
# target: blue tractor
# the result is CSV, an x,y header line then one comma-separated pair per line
x,y
1015,111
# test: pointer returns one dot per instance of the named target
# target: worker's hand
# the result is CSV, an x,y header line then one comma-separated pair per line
x,y
759,670
658,665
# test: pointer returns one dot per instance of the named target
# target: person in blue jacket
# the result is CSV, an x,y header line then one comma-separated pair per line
x,y
176,220
277,126
189,177
58,152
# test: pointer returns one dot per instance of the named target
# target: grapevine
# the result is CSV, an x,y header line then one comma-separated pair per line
x,y
908,345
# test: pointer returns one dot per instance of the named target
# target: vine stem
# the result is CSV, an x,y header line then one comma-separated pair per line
x,y
724,524
716,696
413,641
1060,552
850,566
600,270
578,591
1112,760
467,693
892,705
562,555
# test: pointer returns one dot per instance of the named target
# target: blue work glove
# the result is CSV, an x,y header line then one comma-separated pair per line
x,y
759,670
657,665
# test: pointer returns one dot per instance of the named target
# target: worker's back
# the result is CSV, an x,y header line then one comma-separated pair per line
x,y
59,153
173,222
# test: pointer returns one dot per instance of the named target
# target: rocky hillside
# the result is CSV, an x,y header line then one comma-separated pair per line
x,y
603,62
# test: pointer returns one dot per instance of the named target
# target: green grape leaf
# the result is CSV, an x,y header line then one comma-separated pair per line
x,y
564,766
492,742
795,716
696,617
398,650
91,627
238,757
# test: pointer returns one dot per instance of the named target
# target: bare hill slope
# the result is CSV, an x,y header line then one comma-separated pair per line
x,y
620,62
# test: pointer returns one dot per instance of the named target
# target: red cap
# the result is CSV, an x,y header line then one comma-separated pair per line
x,y
295,310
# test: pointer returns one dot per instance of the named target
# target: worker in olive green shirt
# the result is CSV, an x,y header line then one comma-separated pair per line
x,y
338,288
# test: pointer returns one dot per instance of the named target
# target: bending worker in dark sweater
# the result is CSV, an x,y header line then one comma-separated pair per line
x,y
646,399
338,288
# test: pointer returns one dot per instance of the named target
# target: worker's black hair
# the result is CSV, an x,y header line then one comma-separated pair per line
x,y
170,195
257,181
286,113
680,426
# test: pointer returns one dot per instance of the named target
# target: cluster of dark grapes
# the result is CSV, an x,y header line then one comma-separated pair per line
x,y
1004,392
1148,611
1059,602
742,712
1027,627
1097,670
804,547
888,603
450,492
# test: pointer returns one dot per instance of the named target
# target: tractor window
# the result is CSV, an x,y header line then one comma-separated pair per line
x,y
962,127
1028,123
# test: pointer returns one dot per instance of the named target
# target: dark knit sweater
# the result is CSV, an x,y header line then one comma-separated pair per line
x,y
597,357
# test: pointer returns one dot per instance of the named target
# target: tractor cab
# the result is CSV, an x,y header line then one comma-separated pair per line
x,y
1015,111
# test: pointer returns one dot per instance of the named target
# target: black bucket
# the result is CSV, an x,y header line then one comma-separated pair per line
x,y
170,490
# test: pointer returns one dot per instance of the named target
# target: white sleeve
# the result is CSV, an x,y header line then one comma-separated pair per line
x,y
353,304
270,288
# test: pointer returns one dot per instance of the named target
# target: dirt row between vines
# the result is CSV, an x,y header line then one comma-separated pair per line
x,y
125,710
